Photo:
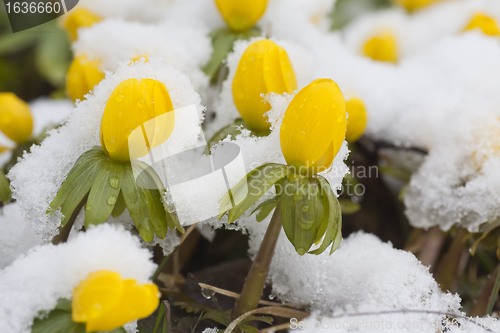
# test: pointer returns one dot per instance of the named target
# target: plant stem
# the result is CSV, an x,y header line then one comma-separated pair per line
x,y
494,294
63,235
481,305
256,278
160,267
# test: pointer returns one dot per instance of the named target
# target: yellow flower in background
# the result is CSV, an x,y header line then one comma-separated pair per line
x,y
412,5
356,122
16,121
83,75
136,119
78,18
487,24
382,47
241,15
104,301
264,68
314,126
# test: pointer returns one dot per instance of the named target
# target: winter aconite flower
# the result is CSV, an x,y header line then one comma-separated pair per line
x,y
104,301
242,14
83,76
412,5
79,18
356,122
134,105
382,47
487,24
314,127
264,68
16,121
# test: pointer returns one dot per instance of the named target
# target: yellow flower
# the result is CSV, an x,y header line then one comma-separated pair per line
x,y
487,25
382,47
104,301
356,122
264,68
83,76
15,118
412,5
314,127
241,15
136,119
79,18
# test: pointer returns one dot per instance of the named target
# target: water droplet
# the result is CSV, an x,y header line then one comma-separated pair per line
x,y
301,251
141,103
339,119
305,209
89,207
305,224
112,199
110,145
114,182
120,113
207,293
119,98
301,105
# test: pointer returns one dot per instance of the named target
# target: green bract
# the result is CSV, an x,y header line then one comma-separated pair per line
x,y
106,188
310,210
5,192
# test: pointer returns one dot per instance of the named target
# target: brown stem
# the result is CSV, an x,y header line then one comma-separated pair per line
x,y
63,235
481,304
256,278
446,271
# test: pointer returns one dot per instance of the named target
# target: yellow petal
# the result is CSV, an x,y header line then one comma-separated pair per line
x,y
382,47
487,24
356,122
78,18
96,296
16,121
104,301
263,68
241,15
138,107
412,5
83,75
137,301
314,126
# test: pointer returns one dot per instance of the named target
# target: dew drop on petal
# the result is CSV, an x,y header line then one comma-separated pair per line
x,y
112,199
114,182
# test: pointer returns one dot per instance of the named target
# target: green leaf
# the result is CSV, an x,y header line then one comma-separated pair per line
x,y
219,316
159,317
135,200
12,43
251,188
266,208
53,56
120,206
264,319
222,44
64,304
334,224
248,328
103,194
80,177
58,321
5,192
84,181
231,130
349,207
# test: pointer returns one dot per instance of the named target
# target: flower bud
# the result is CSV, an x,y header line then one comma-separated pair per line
x,y
104,301
382,47
242,14
356,122
136,119
487,25
83,76
314,127
412,5
79,18
264,68
15,118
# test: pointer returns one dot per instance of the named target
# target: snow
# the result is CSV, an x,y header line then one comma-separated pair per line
x,y
47,273
113,41
16,237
